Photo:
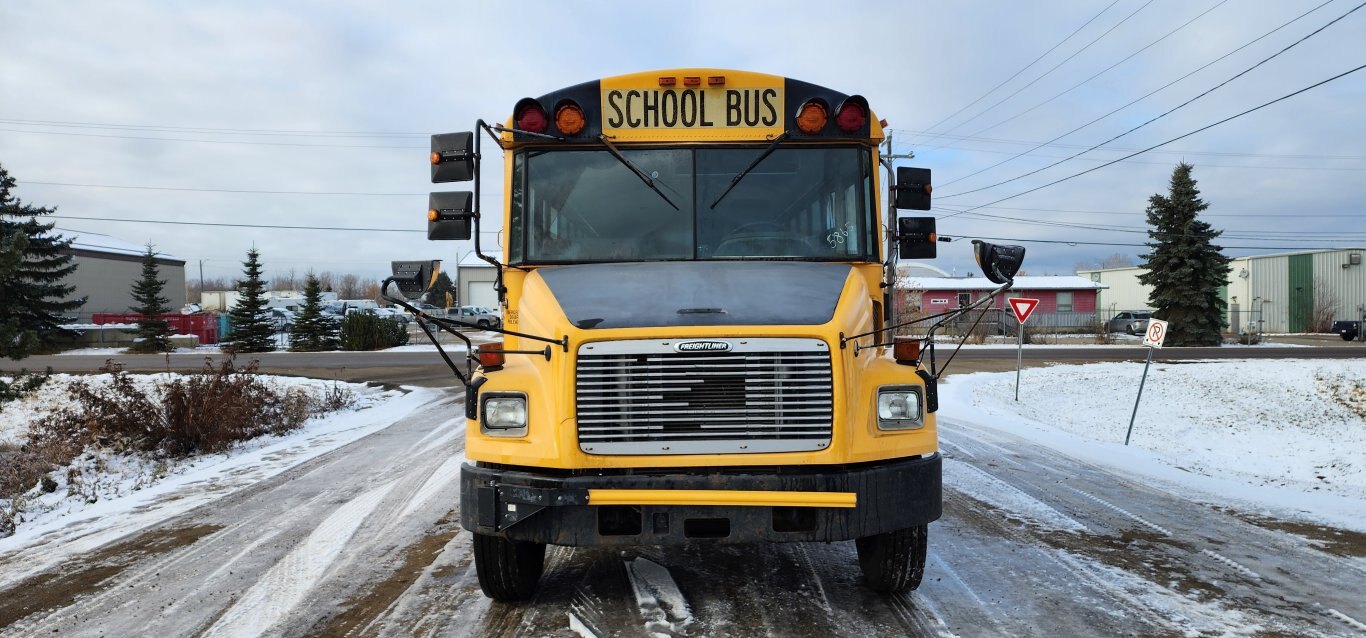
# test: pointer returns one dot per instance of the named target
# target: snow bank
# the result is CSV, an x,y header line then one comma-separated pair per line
x,y
134,492
1284,434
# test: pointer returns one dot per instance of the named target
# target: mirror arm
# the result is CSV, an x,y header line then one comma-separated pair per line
x,y
478,226
417,312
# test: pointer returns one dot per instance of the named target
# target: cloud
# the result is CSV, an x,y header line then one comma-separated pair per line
x,y
411,69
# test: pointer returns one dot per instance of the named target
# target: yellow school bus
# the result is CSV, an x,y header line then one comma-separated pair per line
x,y
695,275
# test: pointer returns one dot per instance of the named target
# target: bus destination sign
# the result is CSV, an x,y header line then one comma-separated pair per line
x,y
634,109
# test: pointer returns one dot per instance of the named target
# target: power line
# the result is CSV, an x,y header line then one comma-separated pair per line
x,y
1117,212
201,141
1177,107
1179,137
1104,243
1257,167
1135,101
1335,236
265,226
1025,67
1103,71
1046,73
1118,149
240,190
201,129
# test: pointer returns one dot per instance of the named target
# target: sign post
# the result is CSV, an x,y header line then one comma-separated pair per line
x,y
1152,337
1022,307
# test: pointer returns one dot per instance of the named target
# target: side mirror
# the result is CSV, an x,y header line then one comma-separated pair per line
x,y
912,189
916,238
998,263
453,157
449,215
415,277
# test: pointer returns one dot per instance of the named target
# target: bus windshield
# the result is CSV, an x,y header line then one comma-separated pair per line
x,y
584,205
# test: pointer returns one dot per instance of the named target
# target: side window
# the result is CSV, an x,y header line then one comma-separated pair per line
x,y
1064,302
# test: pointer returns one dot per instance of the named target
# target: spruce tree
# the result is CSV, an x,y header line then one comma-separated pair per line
x,y
313,330
34,289
249,318
1184,267
153,332
442,292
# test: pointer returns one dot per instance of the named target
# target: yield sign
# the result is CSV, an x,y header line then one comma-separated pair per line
x,y
1022,307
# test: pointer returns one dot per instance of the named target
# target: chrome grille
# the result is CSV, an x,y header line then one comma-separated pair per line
x,y
646,397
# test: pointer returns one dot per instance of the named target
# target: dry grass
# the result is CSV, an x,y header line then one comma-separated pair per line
x,y
207,412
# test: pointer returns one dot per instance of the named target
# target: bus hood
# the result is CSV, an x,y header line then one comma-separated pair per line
x,y
731,293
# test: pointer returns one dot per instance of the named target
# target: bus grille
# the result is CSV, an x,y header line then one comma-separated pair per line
x,y
653,397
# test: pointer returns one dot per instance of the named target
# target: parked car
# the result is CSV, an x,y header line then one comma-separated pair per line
x,y
478,315
1348,330
1134,323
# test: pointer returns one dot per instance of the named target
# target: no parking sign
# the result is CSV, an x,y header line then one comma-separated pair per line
x,y
1156,333
1152,337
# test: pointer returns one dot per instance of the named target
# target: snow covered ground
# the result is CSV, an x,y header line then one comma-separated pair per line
x,y
136,493
1283,437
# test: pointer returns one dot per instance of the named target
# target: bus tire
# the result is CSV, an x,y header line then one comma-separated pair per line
x,y
508,570
895,561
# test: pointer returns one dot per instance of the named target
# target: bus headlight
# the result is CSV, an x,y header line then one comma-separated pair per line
x,y
899,408
503,415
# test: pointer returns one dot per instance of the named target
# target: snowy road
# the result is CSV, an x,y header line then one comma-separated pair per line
x,y
365,541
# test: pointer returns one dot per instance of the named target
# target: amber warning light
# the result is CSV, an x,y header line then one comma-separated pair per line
x,y
906,349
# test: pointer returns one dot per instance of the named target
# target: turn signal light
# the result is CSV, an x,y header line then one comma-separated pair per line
x,y
436,158
432,215
811,118
529,116
906,349
569,119
491,355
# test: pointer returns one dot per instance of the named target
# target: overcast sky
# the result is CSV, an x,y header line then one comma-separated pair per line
x,y
177,103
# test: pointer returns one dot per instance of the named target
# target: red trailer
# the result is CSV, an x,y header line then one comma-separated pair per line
x,y
204,325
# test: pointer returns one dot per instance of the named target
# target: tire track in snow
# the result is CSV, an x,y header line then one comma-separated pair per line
x,y
988,489
1139,519
1350,621
286,584
1232,564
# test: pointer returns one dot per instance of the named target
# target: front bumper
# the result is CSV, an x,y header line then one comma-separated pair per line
x,y
531,506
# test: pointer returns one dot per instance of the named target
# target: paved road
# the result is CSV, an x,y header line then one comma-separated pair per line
x,y
426,368
1032,543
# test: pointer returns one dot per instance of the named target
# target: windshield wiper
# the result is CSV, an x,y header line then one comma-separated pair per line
x,y
741,175
635,169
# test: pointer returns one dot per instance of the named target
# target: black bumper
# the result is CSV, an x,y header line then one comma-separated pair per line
x,y
531,506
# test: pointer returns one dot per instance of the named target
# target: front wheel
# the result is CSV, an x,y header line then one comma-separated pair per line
x,y
895,561
483,324
508,570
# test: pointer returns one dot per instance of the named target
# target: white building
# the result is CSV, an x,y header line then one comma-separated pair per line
x,y
474,282
107,268
1282,292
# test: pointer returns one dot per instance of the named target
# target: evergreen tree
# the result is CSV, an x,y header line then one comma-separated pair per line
x,y
1184,268
34,289
249,318
153,332
313,330
442,293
